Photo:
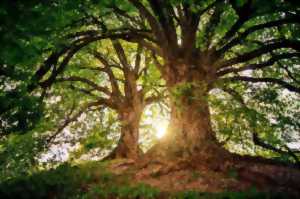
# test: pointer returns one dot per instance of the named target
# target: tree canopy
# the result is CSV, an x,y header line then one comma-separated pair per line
x,y
225,73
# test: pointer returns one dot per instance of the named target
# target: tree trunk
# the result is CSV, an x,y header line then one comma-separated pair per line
x,y
190,132
190,141
128,146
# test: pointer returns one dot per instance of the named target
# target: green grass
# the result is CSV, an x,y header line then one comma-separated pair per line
x,y
92,181
122,191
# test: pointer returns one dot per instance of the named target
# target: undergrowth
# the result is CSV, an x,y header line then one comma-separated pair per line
x,y
93,181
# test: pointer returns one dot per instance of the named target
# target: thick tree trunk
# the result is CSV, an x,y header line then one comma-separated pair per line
x,y
128,146
190,141
190,129
190,132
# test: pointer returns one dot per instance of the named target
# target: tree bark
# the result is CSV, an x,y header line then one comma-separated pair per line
x,y
190,132
128,146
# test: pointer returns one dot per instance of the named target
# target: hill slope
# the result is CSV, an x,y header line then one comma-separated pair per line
x,y
125,179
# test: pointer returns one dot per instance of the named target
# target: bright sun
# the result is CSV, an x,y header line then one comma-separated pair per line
x,y
160,128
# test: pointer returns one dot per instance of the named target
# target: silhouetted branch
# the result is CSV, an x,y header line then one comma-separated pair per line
x,y
243,35
71,119
261,143
256,140
265,80
270,62
102,89
267,48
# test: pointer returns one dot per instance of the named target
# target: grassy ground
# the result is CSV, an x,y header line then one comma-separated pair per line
x,y
114,180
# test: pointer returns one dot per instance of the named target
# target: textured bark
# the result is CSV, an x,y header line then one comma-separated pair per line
x,y
128,143
190,132
128,146
191,143
190,125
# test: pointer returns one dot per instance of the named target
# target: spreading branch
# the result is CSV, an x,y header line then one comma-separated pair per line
x,y
155,26
107,69
243,35
52,63
243,13
256,140
267,48
73,118
270,62
265,80
163,11
84,91
102,89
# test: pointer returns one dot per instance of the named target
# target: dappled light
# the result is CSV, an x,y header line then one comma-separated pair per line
x,y
150,99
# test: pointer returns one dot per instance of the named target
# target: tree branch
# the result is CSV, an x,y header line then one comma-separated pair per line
x,y
156,28
121,55
69,52
265,80
256,139
74,118
154,98
137,64
270,62
124,14
244,13
102,89
108,70
284,43
261,143
243,35
163,11
84,91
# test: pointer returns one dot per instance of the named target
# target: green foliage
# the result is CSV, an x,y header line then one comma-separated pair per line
x,y
83,181
138,191
18,155
66,181
19,111
62,181
31,30
189,92
265,111
184,89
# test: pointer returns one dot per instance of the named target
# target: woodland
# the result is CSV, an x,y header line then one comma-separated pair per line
x,y
150,99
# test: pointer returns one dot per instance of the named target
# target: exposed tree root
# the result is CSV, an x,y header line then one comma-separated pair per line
x,y
264,174
118,153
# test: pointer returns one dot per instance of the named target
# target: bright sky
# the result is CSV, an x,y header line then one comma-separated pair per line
x,y
160,126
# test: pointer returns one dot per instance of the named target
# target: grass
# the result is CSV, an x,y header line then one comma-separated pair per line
x,y
92,181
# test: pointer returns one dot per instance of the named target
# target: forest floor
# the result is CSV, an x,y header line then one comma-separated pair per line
x,y
123,178
180,176
173,177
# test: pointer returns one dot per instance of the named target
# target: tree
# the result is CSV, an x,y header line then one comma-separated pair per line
x,y
206,49
128,92
199,47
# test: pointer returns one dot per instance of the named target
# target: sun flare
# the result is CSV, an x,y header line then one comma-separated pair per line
x,y
160,128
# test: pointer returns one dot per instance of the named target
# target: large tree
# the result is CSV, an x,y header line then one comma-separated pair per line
x,y
116,79
200,48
